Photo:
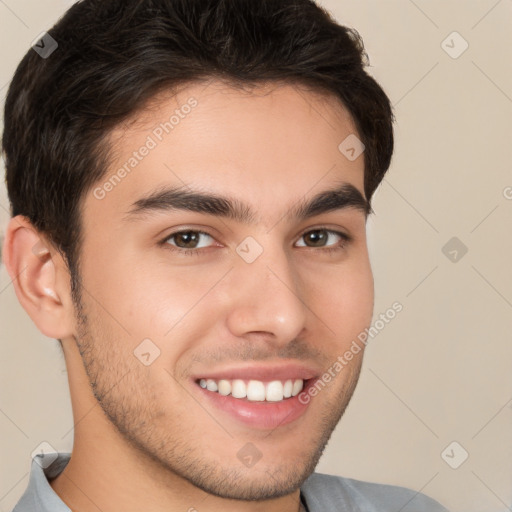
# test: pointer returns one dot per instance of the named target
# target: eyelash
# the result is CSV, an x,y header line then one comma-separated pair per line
x,y
345,240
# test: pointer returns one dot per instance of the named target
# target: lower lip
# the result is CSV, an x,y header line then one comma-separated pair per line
x,y
262,415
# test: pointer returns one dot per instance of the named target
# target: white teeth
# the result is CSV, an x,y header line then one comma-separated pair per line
x,y
224,387
297,387
238,389
275,391
211,385
255,390
287,389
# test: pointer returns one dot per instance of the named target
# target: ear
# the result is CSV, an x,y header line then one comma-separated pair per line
x,y
40,277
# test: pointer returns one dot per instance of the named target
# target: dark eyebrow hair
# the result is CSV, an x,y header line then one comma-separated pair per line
x,y
179,198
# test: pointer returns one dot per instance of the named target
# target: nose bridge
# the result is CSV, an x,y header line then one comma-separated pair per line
x,y
267,295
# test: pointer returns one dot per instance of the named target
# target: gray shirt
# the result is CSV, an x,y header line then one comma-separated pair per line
x,y
319,493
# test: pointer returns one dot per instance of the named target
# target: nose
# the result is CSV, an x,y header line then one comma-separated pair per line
x,y
267,297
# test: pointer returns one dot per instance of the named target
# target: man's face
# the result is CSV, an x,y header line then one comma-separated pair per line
x,y
269,297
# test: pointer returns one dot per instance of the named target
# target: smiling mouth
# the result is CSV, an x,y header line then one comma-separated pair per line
x,y
254,390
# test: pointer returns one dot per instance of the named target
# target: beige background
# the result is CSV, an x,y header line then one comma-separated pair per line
x,y
441,370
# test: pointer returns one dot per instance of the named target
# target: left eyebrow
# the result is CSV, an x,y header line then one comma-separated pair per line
x,y
177,198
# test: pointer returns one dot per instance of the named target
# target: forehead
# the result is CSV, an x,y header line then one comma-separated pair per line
x,y
266,145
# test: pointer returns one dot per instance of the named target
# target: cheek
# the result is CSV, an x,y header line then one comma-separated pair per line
x,y
144,298
344,298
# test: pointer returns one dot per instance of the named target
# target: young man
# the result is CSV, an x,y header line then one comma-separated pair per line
x,y
190,182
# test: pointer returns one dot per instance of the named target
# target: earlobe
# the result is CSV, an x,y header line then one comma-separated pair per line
x,y
36,269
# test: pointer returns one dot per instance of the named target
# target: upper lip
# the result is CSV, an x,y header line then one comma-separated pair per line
x,y
262,372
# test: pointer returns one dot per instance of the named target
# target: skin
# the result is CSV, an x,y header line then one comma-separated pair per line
x,y
140,440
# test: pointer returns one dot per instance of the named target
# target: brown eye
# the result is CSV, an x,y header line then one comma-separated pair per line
x,y
317,238
189,239
321,238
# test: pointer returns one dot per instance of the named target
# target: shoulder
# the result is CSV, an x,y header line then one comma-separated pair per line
x,y
332,493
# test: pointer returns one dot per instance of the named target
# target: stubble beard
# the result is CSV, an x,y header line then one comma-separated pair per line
x,y
120,388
